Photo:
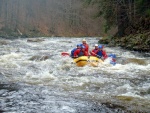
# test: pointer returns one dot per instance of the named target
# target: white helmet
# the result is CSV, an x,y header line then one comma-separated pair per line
x,y
83,40
96,44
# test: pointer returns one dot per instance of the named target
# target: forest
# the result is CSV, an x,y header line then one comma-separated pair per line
x,y
130,17
124,23
28,18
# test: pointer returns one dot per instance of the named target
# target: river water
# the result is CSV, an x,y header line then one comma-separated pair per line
x,y
35,78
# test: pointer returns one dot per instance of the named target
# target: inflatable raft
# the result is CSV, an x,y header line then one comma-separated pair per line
x,y
87,60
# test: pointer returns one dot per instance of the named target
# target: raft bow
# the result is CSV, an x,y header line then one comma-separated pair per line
x,y
87,60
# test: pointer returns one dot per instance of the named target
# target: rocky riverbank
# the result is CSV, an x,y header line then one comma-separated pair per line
x,y
137,42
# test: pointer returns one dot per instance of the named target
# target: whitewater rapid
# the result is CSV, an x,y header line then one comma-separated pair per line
x,y
36,78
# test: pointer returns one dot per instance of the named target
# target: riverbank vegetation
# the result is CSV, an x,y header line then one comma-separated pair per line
x,y
130,17
46,18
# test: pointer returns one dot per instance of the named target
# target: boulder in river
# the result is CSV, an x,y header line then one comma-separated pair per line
x,y
35,40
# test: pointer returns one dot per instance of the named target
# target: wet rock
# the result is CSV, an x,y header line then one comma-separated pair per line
x,y
3,42
137,42
39,58
10,87
136,61
35,40
66,41
104,40
113,106
125,98
125,61
66,67
1,111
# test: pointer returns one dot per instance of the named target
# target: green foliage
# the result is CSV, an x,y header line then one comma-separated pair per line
x,y
139,2
147,12
143,7
106,28
88,2
116,13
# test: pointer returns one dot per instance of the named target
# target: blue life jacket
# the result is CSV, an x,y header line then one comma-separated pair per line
x,y
99,54
113,63
81,45
72,52
81,53
113,56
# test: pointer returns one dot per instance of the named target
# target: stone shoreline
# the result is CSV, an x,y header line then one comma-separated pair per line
x,y
137,42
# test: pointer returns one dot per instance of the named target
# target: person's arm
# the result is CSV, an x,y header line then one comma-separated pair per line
x,y
76,53
92,53
87,47
86,53
104,54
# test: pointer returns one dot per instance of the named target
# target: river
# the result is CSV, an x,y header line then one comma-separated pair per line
x,y
35,78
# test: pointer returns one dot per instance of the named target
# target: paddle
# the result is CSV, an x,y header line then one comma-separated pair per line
x,y
65,54
96,55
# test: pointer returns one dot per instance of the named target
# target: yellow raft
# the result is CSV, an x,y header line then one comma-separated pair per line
x,y
87,60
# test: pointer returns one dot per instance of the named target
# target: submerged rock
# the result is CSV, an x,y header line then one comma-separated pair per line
x,y
136,61
35,40
39,58
3,42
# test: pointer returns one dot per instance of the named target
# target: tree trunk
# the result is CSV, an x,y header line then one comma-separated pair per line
x,y
122,20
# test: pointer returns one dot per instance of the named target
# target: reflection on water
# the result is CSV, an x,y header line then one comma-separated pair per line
x,y
36,78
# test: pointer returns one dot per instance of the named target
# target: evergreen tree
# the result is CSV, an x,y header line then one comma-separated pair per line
x,y
128,15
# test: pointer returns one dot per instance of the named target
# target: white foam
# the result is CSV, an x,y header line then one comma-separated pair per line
x,y
68,109
40,78
131,94
11,56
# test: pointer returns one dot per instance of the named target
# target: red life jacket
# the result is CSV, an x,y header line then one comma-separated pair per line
x,y
86,47
79,52
94,52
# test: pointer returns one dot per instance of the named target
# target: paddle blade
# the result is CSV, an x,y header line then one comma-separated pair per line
x,y
65,54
